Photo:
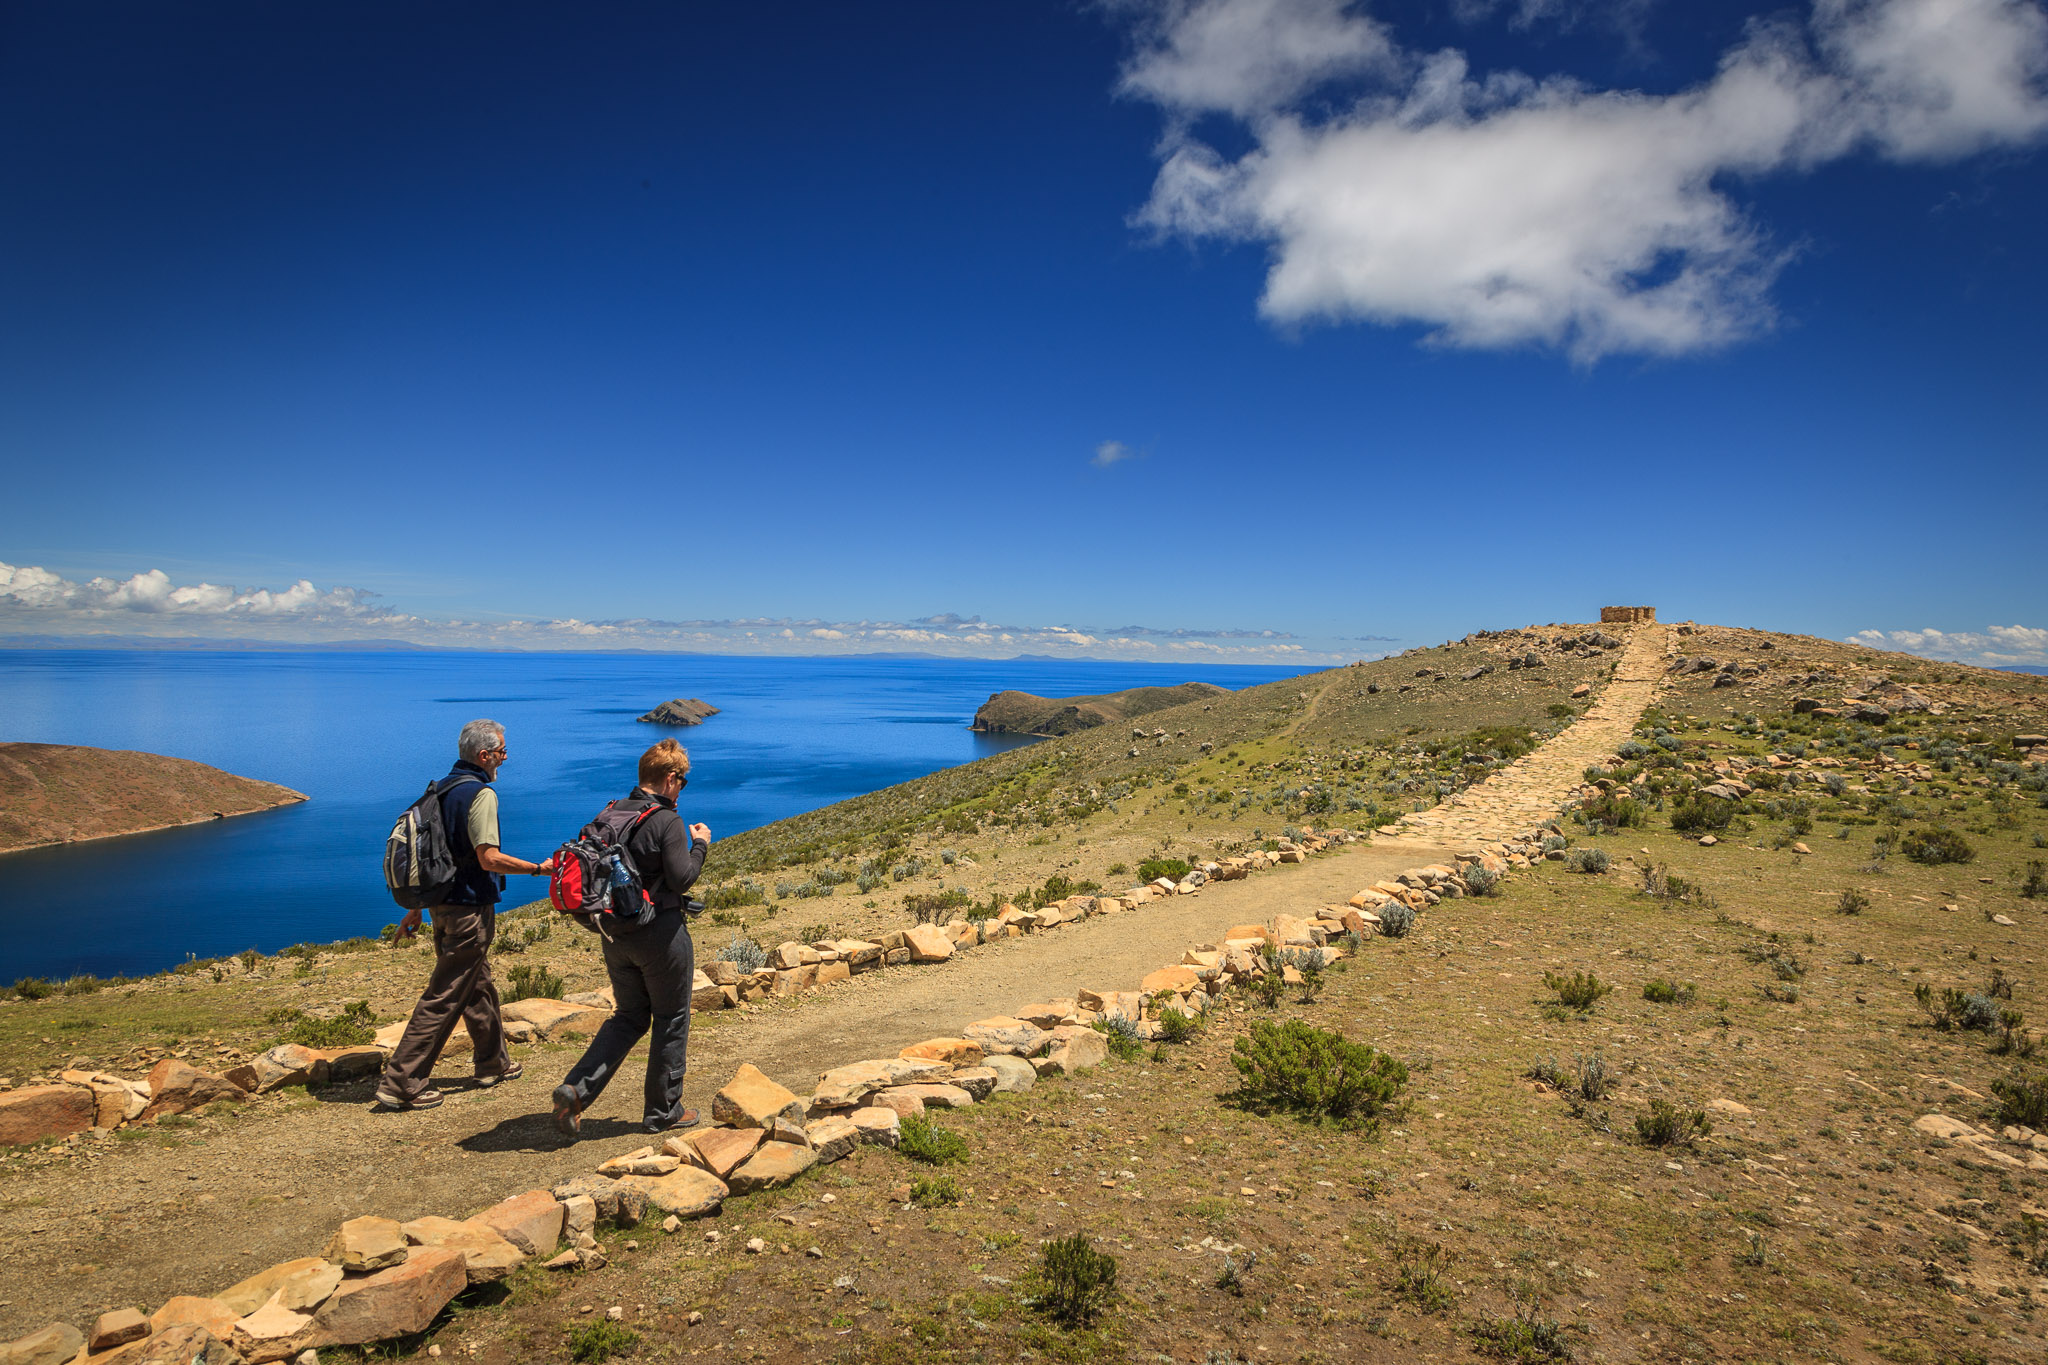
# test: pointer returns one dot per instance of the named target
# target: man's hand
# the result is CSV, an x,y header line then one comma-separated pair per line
x,y
700,832
410,925
543,869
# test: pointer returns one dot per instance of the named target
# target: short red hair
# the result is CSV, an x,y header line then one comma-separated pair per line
x,y
664,758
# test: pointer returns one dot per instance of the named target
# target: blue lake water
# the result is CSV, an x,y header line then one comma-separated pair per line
x,y
362,734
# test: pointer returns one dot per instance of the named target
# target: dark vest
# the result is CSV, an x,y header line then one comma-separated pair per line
x,y
473,885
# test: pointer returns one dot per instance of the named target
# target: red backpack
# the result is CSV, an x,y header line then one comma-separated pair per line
x,y
594,878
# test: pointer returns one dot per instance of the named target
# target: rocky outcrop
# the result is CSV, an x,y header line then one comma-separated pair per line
x,y
681,711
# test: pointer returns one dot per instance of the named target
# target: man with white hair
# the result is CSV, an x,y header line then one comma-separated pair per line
x,y
464,925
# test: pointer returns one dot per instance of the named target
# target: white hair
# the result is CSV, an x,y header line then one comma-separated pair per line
x,y
478,736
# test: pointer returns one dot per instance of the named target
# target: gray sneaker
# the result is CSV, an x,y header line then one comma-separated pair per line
x,y
391,1099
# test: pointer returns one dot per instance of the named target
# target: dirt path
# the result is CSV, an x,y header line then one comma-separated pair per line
x,y
132,1222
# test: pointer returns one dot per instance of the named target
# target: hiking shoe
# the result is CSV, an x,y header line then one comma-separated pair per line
x,y
510,1073
686,1119
391,1099
568,1112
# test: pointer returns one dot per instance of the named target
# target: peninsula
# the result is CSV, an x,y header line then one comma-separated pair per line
x,y
62,793
1021,713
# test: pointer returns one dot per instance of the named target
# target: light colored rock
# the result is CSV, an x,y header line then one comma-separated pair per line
x,y
616,1203
927,943
687,1192
977,1081
579,1217
1004,1034
1077,1051
645,1161
1942,1126
531,1221
392,1302
931,1096
192,1311
954,1052
776,1163
274,1332
1047,1014
183,1343
789,955
298,1286
52,1345
717,1149
878,1124
366,1244
1013,1074
1724,1106
829,972
486,1257
896,1100
345,1063
35,1112
117,1328
844,1087
751,1100
833,1138
1170,979
785,1130
176,1088
557,1018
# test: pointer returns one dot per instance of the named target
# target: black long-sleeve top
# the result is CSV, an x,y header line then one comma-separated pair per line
x,y
668,860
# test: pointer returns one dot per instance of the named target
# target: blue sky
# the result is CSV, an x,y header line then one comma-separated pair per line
x,y
1278,328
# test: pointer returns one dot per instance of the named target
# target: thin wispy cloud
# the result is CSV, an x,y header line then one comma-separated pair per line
x,y
1111,453
37,602
1505,210
1992,647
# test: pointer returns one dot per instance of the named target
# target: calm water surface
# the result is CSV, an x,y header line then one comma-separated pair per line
x,y
362,734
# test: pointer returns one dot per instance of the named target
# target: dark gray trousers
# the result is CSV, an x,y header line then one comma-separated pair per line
x,y
651,971
460,988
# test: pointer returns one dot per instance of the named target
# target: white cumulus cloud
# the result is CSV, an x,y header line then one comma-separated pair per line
x,y
1505,210
1111,452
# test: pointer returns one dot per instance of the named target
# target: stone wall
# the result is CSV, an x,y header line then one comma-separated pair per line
x,y
1626,616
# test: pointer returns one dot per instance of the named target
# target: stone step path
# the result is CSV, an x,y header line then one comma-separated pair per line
x,y
1530,790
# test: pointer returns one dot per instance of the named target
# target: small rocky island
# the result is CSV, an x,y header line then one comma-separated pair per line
x,y
681,711
61,793
1021,713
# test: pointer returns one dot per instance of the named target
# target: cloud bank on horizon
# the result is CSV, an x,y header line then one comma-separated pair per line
x,y
1993,647
1397,187
35,601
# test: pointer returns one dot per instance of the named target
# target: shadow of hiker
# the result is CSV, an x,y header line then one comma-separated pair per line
x,y
536,1133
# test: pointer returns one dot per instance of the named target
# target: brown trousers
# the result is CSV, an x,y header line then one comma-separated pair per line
x,y
460,988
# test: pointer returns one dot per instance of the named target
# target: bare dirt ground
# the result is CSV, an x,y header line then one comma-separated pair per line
x,y
191,1210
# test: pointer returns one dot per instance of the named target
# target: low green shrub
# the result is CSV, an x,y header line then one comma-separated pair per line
x,y
1526,1337
1314,1074
353,1027
1851,902
2036,884
1658,991
1422,1276
1480,882
1667,1125
922,1140
1176,1027
1953,1010
600,1341
1152,869
532,982
1396,919
1615,812
1936,846
1580,991
1590,860
1073,1282
1121,1033
34,988
1702,815
2023,1100
934,1191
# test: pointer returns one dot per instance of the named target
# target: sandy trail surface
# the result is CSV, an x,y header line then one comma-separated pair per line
x,y
133,1222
